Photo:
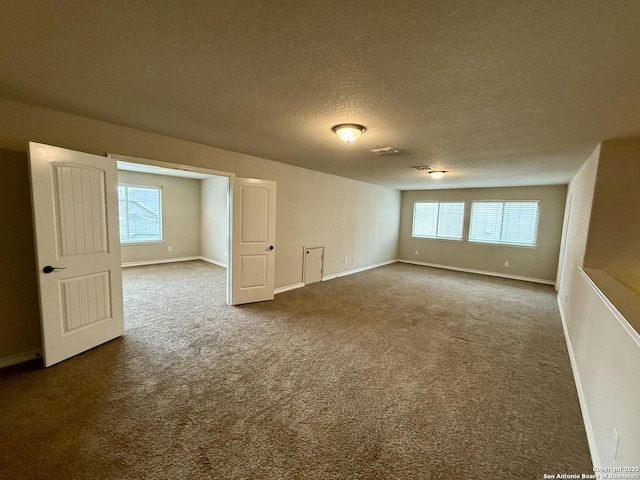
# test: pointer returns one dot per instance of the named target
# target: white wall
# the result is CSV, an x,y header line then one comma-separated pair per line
x,y
604,349
580,190
215,219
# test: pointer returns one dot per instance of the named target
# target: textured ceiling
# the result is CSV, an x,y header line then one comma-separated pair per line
x,y
497,92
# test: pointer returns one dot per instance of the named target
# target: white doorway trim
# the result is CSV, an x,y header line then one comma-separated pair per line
x,y
169,165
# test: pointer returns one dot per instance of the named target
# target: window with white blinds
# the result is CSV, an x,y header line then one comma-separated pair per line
x,y
438,220
140,214
507,223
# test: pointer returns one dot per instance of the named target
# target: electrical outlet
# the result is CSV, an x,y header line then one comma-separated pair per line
x,y
170,249
617,438
416,252
354,259
346,260
506,264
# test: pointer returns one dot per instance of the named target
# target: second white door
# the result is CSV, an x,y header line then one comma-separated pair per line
x,y
253,235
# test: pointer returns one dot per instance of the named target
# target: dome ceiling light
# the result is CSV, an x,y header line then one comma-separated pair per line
x,y
349,132
435,174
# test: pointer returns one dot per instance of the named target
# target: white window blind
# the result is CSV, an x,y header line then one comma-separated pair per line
x,y
508,223
140,214
438,220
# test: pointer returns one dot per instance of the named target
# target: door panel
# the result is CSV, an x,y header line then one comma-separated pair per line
x,y
313,264
255,214
253,234
79,197
85,300
75,214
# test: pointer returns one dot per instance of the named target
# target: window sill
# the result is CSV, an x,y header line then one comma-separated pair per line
x,y
135,244
530,247
437,238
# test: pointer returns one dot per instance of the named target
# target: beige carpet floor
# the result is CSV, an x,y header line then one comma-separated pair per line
x,y
401,372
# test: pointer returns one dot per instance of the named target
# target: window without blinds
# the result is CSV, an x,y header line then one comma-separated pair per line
x,y
507,223
438,220
140,214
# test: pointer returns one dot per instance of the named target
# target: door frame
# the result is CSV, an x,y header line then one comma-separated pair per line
x,y
191,168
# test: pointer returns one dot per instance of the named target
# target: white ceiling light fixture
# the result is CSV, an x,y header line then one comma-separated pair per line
x,y
437,174
349,132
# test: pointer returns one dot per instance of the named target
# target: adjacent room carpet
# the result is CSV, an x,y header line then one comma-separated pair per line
x,y
401,372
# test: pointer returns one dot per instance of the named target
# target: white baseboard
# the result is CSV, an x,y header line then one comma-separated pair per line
x,y
156,262
480,272
357,270
586,418
19,358
215,262
172,260
286,288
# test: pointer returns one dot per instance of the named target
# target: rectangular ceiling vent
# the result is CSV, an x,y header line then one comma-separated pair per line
x,y
384,151
422,168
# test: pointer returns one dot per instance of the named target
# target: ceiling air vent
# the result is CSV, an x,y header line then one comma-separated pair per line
x,y
384,150
423,168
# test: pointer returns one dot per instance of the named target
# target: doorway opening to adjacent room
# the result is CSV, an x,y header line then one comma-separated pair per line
x,y
174,230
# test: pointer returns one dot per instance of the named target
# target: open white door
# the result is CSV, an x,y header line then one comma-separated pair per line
x,y
253,235
75,215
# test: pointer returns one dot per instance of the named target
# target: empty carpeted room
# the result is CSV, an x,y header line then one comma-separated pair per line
x,y
390,240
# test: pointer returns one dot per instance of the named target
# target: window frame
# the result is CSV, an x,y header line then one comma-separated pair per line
x,y
438,224
128,241
502,224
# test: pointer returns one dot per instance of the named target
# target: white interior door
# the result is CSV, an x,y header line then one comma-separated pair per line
x,y
253,235
75,215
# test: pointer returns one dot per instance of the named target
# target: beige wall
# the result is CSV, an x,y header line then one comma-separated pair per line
x,y
180,218
538,263
350,218
19,320
215,219
614,235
